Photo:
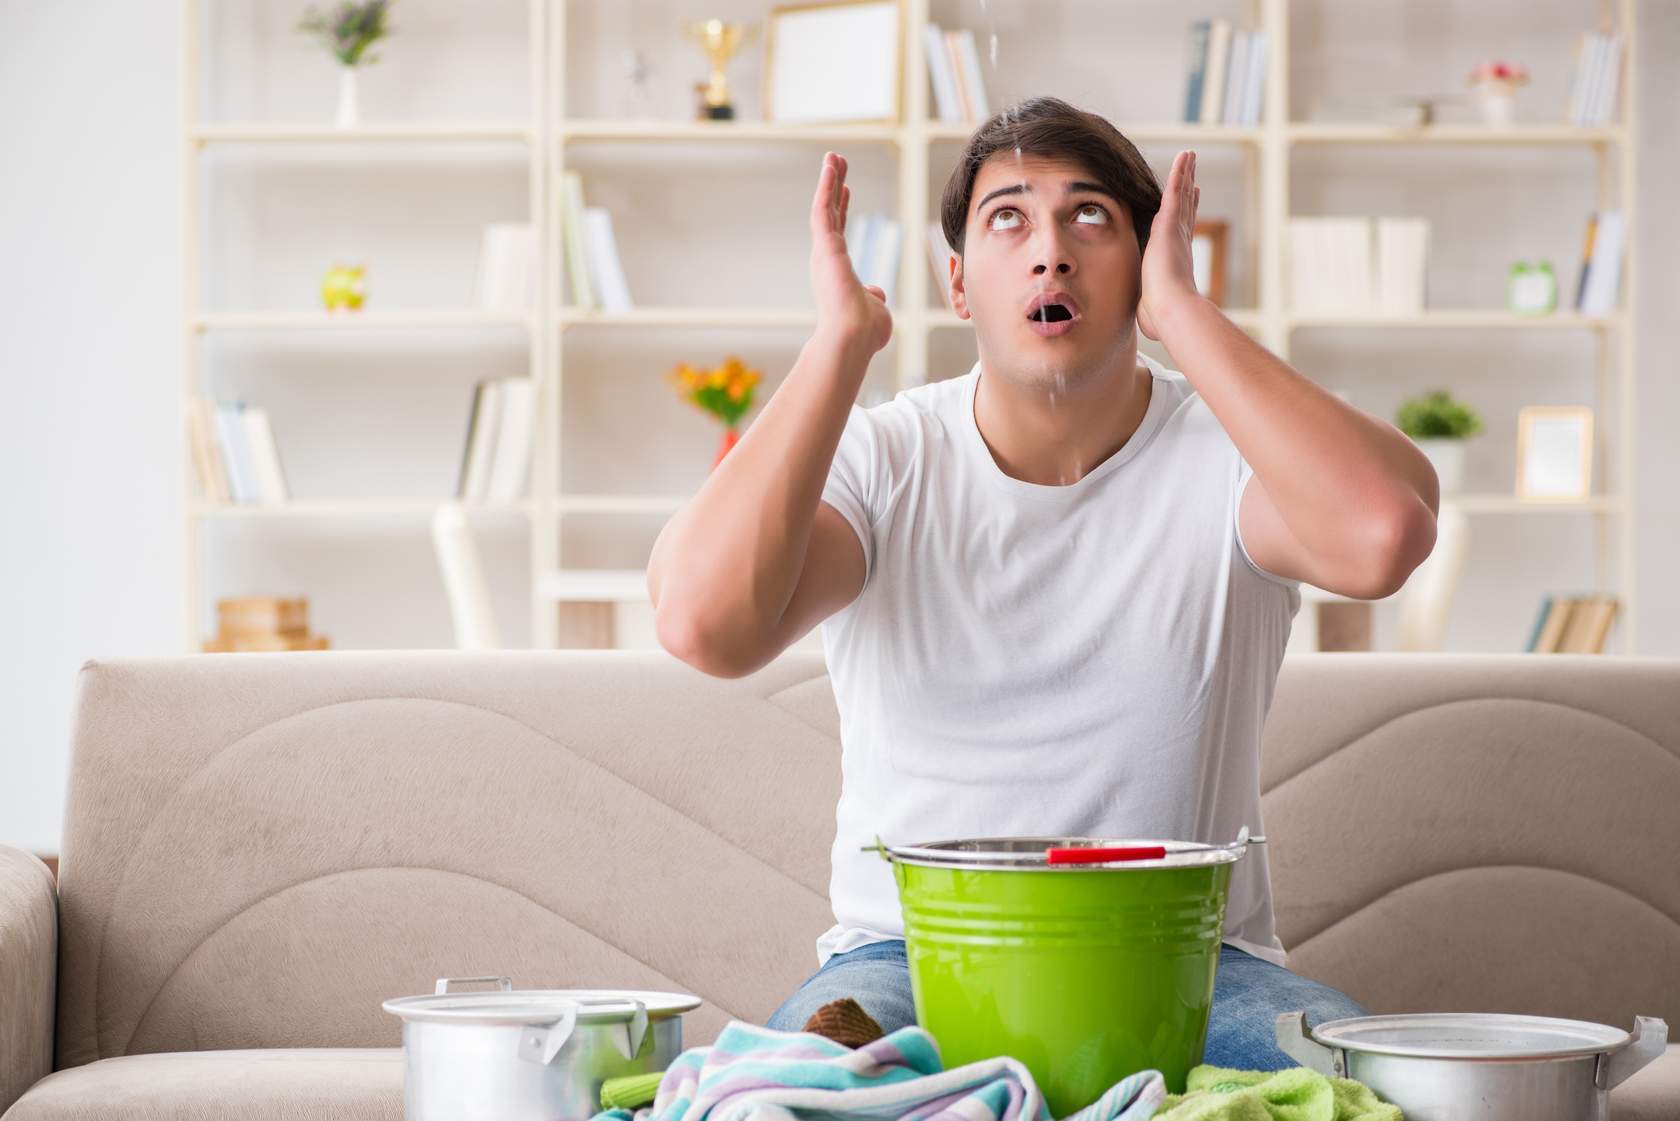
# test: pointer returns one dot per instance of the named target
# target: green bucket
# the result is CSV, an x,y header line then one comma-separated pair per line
x,y
1087,959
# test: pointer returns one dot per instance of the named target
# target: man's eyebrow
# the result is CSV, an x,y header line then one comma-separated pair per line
x,y
1073,187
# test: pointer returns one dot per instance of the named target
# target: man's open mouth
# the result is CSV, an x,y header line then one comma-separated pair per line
x,y
1051,313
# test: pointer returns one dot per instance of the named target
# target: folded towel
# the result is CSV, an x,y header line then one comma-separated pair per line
x,y
753,1073
1297,1094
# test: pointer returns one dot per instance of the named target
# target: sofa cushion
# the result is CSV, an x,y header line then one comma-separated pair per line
x,y
1651,1095
322,1084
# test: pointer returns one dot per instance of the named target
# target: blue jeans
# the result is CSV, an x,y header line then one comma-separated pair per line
x,y
1248,994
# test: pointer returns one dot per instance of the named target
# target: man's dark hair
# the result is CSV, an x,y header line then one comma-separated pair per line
x,y
1050,127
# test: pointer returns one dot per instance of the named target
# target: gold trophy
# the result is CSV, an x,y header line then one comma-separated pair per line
x,y
719,40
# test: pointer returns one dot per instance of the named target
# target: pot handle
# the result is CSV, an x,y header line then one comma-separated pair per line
x,y
539,1043
443,983
1297,1042
1650,1039
628,1036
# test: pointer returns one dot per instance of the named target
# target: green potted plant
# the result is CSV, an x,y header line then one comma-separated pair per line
x,y
347,32
1439,424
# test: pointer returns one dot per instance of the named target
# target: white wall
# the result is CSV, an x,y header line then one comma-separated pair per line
x,y
89,295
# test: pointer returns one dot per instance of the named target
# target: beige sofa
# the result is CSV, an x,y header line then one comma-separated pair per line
x,y
261,848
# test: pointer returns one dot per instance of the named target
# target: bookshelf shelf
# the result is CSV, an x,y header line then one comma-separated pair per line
x,y
550,136
365,320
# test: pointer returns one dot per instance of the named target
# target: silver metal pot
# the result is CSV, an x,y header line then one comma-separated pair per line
x,y
529,1055
1462,1066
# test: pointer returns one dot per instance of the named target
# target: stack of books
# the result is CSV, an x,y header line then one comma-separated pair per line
x,y
592,261
497,459
1358,265
1598,285
263,623
1226,81
1573,625
234,454
1598,76
959,94
507,268
875,243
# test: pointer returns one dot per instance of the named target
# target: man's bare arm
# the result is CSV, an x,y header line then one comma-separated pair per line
x,y
756,559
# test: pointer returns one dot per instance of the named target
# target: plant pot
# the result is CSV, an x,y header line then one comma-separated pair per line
x,y
1498,103
729,439
347,109
1447,457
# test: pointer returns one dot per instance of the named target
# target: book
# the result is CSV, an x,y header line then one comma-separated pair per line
x,y
507,268
974,81
571,232
1603,278
472,436
954,55
206,451
1603,618
1256,96
1402,265
939,256
481,446
511,462
1213,82
942,75
1236,78
1605,110
606,271
230,430
1539,624
1577,631
1586,260
1575,110
1552,628
265,456
1196,72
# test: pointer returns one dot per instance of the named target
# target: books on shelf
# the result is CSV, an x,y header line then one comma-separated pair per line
x,y
874,242
1358,265
959,90
234,453
507,268
1573,624
497,458
1597,80
592,258
1225,82
1598,285
939,256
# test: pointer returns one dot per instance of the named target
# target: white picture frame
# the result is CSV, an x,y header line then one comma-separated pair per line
x,y
834,63
1554,453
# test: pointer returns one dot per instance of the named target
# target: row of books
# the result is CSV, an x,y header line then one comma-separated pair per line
x,y
1573,624
1598,285
1598,75
507,262
959,93
497,459
1226,82
875,243
1358,265
234,453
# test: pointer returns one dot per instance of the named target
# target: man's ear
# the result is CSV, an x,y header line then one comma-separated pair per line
x,y
959,299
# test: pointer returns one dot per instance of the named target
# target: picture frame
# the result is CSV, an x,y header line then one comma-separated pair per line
x,y
835,62
1209,256
1554,453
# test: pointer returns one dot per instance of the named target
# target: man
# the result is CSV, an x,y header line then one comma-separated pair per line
x,y
1057,589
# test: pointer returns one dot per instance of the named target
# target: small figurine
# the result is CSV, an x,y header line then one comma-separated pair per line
x,y
344,288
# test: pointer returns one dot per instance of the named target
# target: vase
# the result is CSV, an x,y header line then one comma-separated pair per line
x,y
1447,457
346,97
1498,102
728,440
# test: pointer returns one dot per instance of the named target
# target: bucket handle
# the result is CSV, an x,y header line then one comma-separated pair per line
x,y
443,983
541,1042
1650,1039
1294,1040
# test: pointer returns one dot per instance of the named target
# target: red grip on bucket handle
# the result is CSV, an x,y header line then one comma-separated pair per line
x,y
1104,856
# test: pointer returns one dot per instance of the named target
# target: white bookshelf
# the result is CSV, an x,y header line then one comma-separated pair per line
x,y
548,134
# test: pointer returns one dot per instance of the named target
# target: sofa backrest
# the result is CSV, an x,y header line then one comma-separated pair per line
x,y
261,848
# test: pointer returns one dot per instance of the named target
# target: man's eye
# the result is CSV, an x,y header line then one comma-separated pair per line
x,y
1093,208
1000,212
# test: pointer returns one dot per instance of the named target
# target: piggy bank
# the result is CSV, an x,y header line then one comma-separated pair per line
x,y
344,287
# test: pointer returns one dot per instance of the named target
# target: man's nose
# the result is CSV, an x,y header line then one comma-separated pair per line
x,y
1051,253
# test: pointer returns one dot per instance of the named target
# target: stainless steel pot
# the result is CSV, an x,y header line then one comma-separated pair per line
x,y
1457,1066
529,1055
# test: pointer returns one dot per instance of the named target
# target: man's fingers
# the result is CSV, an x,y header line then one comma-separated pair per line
x,y
845,200
820,202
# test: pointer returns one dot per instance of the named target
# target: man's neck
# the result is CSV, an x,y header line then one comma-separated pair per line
x,y
1056,439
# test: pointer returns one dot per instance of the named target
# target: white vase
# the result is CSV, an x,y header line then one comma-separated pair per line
x,y
346,97
1498,105
1447,457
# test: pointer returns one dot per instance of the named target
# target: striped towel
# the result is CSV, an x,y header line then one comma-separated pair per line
x,y
753,1073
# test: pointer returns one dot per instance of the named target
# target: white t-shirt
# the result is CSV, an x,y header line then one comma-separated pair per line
x,y
1093,659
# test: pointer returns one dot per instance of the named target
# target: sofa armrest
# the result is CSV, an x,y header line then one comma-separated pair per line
x,y
28,972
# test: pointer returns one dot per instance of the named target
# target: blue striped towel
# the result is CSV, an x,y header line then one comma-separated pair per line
x,y
752,1073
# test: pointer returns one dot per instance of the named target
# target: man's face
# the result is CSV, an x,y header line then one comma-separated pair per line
x,y
1041,227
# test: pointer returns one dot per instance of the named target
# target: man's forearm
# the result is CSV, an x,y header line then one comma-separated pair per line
x,y
1325,464
730,559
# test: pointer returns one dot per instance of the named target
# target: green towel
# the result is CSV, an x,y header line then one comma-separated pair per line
x,y
630,1090
1296,1094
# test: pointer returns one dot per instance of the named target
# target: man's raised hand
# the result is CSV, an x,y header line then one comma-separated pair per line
x,y
847,310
